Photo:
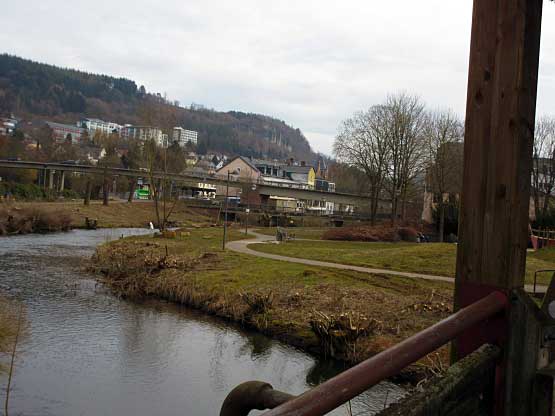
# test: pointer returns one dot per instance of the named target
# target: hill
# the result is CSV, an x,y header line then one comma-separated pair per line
x,y
36,90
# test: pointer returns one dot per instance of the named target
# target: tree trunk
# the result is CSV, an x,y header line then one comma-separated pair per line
x,y
132,185
394,201
546,201
156,195
441,219
105,191
88,192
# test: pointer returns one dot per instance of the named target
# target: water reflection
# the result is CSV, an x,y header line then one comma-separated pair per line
x,y
90,353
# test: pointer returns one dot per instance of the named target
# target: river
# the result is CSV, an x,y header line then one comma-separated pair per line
x,y
87,352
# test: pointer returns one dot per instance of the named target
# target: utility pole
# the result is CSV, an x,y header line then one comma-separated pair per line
x,y
225,214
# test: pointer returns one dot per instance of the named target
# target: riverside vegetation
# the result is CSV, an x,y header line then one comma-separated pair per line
x,y
340,314
25,217
14,220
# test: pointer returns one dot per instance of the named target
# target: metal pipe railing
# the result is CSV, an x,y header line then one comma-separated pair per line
x,y
349,384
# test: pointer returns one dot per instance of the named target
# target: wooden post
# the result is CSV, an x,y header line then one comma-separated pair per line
x,y
493,224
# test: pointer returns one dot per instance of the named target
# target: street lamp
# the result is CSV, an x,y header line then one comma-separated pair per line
x,y
225,215
248,210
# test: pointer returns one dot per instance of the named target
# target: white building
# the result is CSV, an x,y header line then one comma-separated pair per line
x,y
182,136
94,125
143,133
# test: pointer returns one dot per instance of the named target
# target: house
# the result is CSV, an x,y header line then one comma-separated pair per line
x,y
303,173
241,168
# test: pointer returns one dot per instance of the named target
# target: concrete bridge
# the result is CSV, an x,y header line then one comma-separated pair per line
x,y
360,201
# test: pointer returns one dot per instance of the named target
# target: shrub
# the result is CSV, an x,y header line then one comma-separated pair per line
x,y
372,233
32,220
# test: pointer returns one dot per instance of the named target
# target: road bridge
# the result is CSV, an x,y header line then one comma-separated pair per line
x,y
360,201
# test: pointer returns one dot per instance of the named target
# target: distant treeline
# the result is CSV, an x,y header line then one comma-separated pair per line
x,y
31,89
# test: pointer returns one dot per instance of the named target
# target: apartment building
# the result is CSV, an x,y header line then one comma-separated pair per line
x,y
94,125
143,133
62,133
183,136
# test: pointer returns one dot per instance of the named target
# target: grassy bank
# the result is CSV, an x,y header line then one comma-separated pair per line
x,y
343,314
435,259
116,213
16,220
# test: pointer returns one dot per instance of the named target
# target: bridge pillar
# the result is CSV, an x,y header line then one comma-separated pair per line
x,y
493,224
62,180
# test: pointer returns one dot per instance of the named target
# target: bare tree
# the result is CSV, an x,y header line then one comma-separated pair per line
x,y
362,143
404,123
443,134
543,165
155,159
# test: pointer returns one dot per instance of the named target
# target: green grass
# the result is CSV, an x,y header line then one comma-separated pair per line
x,y
434,259
214,281
299,232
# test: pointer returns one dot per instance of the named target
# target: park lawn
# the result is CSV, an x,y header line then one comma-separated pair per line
x,y
308,233
201,275
434,259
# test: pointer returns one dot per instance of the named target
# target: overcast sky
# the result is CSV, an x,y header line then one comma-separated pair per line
x,y
310,63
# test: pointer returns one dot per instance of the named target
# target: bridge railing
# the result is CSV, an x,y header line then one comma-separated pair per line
x,y
344,387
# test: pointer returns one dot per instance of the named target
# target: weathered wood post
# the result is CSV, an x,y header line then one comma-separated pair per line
x,y
493,227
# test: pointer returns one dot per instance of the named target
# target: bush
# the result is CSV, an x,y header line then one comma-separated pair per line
x,y
372,233
545,220
451,222
21,191
32,220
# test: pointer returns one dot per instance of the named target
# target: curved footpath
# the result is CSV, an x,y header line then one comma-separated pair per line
x,y
241,246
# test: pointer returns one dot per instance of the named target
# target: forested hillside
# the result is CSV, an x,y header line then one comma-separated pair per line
x,y
35,90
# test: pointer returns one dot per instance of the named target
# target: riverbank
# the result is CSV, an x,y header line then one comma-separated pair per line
x,y
117,214
27,220
348,315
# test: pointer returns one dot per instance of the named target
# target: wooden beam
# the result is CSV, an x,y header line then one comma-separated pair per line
x,y
500,118
493,223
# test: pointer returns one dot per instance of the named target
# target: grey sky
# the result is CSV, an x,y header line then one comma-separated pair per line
x,y
310,63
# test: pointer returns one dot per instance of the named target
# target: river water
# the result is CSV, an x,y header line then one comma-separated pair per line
x,y
86,352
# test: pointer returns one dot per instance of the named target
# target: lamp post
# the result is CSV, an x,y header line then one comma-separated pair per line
x,y
225,214
248,210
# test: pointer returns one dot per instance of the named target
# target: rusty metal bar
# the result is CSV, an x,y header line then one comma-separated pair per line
x,y
349,384
252,395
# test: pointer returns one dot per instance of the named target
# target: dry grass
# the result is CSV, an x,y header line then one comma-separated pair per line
x,y
281,299
15,220
118,214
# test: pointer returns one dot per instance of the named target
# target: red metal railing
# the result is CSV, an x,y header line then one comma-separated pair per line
x,y
349,384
